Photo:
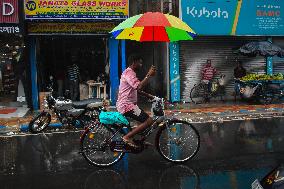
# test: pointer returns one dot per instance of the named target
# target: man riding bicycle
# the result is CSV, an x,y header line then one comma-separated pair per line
x,y
127,97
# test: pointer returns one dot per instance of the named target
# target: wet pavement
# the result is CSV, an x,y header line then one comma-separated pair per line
x,y
232,155
203,113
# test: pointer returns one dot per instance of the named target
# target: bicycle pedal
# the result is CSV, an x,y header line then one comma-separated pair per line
x,y
148,144
127,150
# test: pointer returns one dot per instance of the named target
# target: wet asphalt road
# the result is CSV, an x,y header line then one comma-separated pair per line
x,y
232,155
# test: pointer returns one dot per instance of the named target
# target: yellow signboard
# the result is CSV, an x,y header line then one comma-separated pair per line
x,y
71,28
76,9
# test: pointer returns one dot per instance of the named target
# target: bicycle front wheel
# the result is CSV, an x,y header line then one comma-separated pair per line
x,y
95,146
197,94
178,141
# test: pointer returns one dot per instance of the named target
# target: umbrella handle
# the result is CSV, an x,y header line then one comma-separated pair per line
x,y
153,48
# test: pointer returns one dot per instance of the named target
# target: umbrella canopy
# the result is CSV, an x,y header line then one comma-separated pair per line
x,y
153,26
262,48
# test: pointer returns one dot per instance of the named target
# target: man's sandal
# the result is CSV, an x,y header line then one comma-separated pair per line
x,y
130,143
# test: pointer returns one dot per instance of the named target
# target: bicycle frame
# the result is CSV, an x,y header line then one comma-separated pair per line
x,y
158,121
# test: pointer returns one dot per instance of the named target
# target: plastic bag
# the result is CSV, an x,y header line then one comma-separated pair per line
x,y
110,118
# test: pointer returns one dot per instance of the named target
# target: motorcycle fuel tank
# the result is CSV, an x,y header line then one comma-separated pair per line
x,y
75,112
63,104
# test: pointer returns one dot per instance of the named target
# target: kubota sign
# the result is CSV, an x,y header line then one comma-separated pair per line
x,y
234,17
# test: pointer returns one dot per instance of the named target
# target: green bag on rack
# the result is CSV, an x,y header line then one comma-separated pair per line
x,y
110,118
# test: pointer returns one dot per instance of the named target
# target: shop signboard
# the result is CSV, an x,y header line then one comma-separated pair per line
x,y
9,11
9,29
174,72
234,17
71,28
76,9
9,17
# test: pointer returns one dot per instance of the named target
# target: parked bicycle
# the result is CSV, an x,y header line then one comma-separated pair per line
x,y
176,140
201,93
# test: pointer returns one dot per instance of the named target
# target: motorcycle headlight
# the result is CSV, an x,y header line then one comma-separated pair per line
x,y
45,104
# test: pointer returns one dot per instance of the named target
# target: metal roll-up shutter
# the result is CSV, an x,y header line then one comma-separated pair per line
x,y
193,56
278,63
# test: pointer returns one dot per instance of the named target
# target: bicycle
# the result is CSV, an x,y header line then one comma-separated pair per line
x,y
176,140
200,93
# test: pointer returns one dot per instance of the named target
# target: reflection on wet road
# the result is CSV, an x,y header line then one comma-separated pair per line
x,y
232,155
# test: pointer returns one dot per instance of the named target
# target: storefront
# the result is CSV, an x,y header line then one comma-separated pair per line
x,y
278,63
222,27
59,38
13,83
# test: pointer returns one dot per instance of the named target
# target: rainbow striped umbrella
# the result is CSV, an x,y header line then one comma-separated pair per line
x,y
153,26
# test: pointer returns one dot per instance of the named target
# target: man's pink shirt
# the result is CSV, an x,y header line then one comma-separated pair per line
x,y
127,95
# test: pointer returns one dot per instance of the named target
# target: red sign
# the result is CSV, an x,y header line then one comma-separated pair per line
x,y
9,11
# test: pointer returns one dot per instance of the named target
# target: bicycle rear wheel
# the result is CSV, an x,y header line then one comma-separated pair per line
x,y
95,146
197,94
178,141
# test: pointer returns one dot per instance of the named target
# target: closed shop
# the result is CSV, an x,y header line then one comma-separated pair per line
x,y
193,56
222,27
278,63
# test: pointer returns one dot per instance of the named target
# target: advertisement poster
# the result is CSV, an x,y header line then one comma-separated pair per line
x,y
234,17
76,9
174,72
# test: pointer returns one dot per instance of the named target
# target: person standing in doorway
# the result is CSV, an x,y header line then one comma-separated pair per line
x,y
60,76
239,72
73,74
207,74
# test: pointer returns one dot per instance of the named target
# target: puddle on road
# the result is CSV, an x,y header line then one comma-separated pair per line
x,y
179,176
52,161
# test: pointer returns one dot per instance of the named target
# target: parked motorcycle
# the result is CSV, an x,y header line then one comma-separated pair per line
x,y
76,113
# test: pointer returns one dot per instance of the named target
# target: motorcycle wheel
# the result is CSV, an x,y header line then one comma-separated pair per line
x,y
40,122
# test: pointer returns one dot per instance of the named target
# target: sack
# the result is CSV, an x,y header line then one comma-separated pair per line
x,y
214,87
247,91
110,118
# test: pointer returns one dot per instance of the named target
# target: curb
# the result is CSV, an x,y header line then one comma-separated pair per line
x,y
25,127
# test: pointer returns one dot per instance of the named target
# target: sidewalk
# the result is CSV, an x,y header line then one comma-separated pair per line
x,y
213,112
225,112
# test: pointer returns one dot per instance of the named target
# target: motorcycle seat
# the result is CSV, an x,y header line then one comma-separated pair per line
x,y
90,103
